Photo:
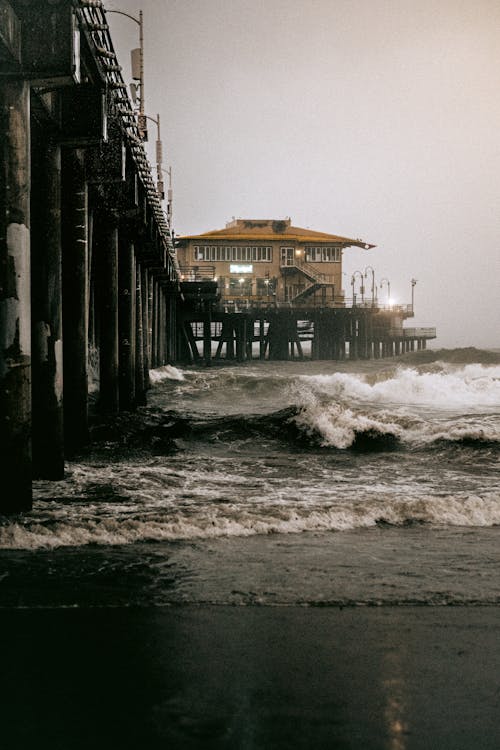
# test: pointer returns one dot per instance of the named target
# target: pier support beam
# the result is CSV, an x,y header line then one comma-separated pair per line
x,y
107,250
146,327
140,391
75,295
126,319
207,336
46,308
15,345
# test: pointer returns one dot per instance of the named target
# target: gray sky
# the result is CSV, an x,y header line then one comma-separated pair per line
x,y
377,119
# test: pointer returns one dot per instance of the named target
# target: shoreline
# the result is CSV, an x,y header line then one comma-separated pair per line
x,y
200,676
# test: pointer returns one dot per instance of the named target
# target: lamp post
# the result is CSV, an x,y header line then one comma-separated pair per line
x,y
137,58
388,283
413,282
362,288
369,268
159,156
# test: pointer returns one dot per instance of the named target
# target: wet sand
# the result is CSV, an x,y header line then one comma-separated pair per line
x,y
251,677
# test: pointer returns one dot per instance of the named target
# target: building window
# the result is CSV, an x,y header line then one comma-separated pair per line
x,y
238,253
240,287
323,254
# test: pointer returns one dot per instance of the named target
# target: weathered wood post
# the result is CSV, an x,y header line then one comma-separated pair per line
x,y
107,248
46,308
207,335
154,322
76,298
15,325
146,327
262,339
140,396
162,325
126,318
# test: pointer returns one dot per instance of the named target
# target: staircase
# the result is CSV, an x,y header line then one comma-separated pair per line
x,y
316,279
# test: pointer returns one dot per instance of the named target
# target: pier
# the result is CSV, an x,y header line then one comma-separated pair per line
x,y
92,293
345,332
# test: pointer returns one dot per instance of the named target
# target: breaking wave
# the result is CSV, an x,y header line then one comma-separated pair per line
x,y
241,521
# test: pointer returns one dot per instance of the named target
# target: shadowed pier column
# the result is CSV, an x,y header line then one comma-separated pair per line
x,y
140,396
107,250
46,307
75,293
15,325
126,319
146,327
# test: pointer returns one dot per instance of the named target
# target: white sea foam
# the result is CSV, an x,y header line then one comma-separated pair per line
x,y
466,387
338,427
333,425
237,520
166,372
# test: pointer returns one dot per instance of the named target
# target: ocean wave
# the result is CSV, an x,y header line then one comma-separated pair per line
x,y
464,355
472,386
240,521
166,372
309,424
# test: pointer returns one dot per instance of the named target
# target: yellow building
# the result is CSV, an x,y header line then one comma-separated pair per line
x,y
268,260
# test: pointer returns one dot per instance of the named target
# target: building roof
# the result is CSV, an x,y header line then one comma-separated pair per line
x,y
273,229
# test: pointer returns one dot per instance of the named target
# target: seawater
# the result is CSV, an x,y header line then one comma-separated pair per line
x,y
318,483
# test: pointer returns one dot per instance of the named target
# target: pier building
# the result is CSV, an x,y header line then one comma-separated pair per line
x,y
265,288
258,261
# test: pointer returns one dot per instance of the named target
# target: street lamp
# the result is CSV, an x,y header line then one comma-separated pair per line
x,y
362,288
388,283
413,282
369,268
137,59
159,157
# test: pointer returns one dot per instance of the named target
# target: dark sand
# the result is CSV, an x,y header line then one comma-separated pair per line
x,y
251,677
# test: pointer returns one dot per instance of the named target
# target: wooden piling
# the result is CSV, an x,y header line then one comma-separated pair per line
x,y
46,308
126,319
108,305
146,324
15,347
140,391
75,296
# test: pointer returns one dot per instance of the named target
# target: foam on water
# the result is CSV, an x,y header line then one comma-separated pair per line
x,y
185,523
472,386
282,449
166,372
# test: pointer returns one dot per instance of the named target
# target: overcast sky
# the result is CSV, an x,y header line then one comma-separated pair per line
x,y
377,119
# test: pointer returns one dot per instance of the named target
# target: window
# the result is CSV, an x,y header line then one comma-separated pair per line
x,y
238,253
323,254
240,287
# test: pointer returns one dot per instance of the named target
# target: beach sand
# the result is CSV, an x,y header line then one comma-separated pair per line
x,y
394,677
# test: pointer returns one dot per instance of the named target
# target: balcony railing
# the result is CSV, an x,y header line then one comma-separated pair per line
x,y
197,273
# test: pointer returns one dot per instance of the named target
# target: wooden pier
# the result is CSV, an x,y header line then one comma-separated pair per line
x,y
209,331
91,294
88,277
